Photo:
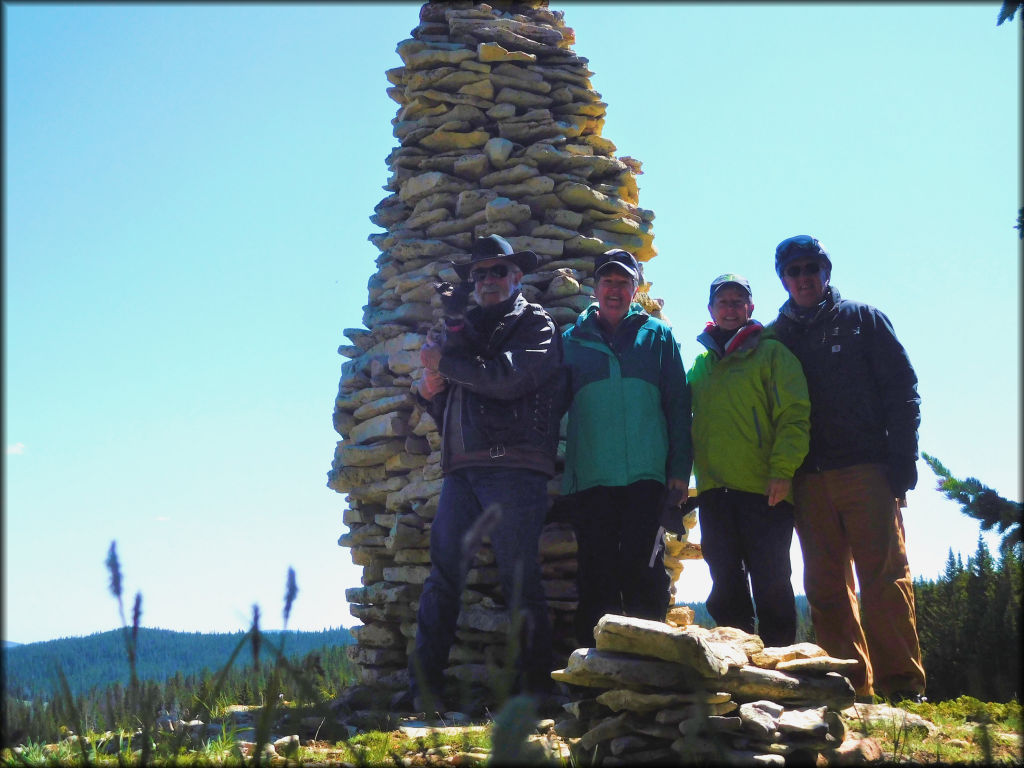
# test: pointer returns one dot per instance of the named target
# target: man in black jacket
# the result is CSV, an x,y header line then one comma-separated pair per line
x,y
492,388
865,412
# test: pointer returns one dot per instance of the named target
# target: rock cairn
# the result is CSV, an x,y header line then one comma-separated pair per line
x,y
499,131
656,693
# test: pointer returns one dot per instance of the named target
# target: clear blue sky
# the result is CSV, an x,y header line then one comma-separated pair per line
x,y
187,198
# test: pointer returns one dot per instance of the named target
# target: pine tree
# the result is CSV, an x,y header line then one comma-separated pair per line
x,y
982,503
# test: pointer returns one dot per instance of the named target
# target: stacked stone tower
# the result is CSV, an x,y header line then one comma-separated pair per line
x,y
499,131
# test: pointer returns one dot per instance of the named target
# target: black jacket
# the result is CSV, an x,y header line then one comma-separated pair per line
x,y
864,402
499,408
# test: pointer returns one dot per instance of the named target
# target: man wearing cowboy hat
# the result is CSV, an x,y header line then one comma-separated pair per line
x,y
492,388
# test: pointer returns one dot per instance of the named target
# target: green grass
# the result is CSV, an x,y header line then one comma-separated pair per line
x,y
969,731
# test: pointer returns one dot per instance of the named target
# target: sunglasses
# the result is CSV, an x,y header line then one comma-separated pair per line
x,y
479,275
806,270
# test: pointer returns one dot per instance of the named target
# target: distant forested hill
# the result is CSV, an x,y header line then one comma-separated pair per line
x,y
101,659
804,628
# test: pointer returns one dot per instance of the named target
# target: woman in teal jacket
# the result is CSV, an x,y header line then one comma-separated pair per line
x,y
628,437
751,422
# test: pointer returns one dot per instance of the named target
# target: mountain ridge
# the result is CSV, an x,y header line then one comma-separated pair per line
x,y
101,659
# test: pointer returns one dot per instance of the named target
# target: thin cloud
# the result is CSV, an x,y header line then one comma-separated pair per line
x,y
16,450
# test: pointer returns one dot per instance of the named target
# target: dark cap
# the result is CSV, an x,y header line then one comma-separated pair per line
x,y
496,247
798,247
729,278
617,258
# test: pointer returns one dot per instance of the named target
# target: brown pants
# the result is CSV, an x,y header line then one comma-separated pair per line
x,y
847,519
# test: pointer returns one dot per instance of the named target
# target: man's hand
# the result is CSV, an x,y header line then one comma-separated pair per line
x,y
430,384
778,490
454,298
430,356
902,475
677,483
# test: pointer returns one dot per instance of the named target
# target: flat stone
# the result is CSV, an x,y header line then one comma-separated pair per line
x,y
484,619
658,640
562,284
677,714
430,59
553,231
819,664
631,671
539,245
515,174
375,656
769,657
409,574
472,201
583,244
411,313
343,478
373,408
605,730
491,52
502,111
576,303
429,183
538,185
443,141
581,196
679,616
527,133
636,701
382,426
482,89
557,540
457,226
404,461
350,454
744,641
563,316
471,166
750,683
889,716
809,721
761,717
503,209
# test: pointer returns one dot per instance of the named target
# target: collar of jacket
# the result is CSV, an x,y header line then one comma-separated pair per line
x,y
745,338
587,323
789,310
513,306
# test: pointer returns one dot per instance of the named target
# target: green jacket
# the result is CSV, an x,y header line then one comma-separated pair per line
x,y
629,418
751,412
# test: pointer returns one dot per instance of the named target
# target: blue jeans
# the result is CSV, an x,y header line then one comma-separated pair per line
x,y
522,497
746,546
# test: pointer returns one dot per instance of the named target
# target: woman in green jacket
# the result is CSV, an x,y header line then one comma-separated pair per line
x,y
628,438
751,422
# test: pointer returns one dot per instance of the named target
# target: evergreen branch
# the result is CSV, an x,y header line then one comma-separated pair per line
x,y
981,502
1006,12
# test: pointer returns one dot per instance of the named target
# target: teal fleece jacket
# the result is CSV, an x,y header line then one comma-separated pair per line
x,y
629,417
751,412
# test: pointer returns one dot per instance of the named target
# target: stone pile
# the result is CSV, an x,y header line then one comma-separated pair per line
x,y
499,131
659,693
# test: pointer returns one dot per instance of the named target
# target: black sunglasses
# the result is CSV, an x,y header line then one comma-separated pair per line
x,y
807,270
498,270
